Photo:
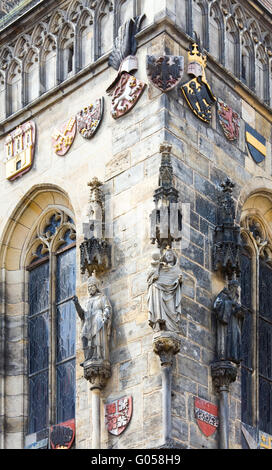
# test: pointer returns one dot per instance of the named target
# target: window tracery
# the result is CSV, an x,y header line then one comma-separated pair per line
x,y
256,278
51,321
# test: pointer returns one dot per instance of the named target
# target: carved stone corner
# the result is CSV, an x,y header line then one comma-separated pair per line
x,y
223,374
97,373
166,344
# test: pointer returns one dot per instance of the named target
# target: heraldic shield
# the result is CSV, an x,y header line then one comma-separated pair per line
x,y
164,72
118,415
89,119
229,120
62,435
63,138
125,93
256,144
206,414
199,97
19,150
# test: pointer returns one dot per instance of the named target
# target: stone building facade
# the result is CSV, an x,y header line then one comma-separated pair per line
x,y
55,62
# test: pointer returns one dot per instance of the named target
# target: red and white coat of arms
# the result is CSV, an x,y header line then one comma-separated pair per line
x,y
206,414
63,138
118,414
229,120
125,94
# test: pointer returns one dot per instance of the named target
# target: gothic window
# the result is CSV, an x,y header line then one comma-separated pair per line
x,y
51,323
247,62
15,87
231,47
86,40
261,74
199,20
67,53
216,31
49,64
32,81
2,97
104,20
256,298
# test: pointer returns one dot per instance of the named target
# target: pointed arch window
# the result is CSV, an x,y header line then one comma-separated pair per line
x,y
51,323
256,297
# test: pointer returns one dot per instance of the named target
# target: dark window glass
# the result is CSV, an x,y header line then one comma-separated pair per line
x,y
265,348
247,331
38,350
66,327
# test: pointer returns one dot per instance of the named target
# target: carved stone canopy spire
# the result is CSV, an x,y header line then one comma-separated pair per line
x,y
166,215
95,252
227,242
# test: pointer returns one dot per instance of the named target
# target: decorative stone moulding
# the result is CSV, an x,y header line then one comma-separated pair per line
x,y
95,251
227,241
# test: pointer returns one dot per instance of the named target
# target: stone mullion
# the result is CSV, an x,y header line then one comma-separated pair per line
x,y
52,339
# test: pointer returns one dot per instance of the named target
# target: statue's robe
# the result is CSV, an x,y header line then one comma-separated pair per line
x,y
164,298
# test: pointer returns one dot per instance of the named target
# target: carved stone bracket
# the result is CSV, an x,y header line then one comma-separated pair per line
x,y
97,373
223,374
166,345
227,242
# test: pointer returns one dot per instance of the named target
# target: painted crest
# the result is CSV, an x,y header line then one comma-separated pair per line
x,y
256,144
118,414
89,118
125,92
265,440
63,138
165,72
206,414
19,150
197,91
62,435
229,120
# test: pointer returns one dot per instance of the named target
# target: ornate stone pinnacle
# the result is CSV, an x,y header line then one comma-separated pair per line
x,y
227,185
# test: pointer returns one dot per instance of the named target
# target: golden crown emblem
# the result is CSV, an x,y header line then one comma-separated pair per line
x,y
195,55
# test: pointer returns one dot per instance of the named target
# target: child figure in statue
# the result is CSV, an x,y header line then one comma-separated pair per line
x,y
164,292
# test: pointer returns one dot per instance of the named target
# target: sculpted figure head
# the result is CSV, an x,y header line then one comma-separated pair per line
x,y
169,257
93,285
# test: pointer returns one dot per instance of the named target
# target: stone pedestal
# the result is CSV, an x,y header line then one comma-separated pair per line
x,y
97,373
166,344
223,374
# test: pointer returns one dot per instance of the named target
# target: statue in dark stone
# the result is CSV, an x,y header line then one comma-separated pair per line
x,y
230,315
96,319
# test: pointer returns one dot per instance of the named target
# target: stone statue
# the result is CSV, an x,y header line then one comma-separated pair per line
x,y
96,319
230,315
164,292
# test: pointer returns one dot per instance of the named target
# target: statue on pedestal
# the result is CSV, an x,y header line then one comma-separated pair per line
x,y
96,319
164,292
229,314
